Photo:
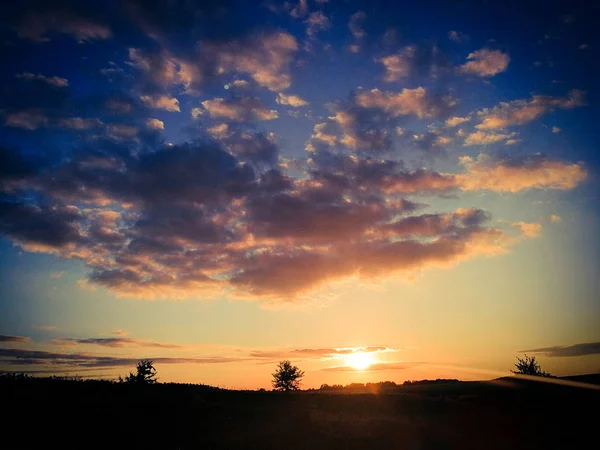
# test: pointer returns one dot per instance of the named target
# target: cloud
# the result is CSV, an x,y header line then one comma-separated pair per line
x,y
455,121
300,10
457,36
155,124
40,228
400,65
369,119
291,100
52,81
355,24
589,348
485,62
316,22
165,102
114,342
266,58
317,353
27,120
530,230
11,339
79,123
219,215
520,112
407,102
482,138
120,131
197,112
377,367
534,172
248,146
36,357
242,109
37,24
555,218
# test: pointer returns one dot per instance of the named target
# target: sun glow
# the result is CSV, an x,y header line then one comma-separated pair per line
x,y
359,360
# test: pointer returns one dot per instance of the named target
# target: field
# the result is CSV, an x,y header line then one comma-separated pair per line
x,y
502,414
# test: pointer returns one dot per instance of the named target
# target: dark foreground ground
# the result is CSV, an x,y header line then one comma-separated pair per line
x,y
504,414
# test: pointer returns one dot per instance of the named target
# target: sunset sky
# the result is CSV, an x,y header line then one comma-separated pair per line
x,y
374,192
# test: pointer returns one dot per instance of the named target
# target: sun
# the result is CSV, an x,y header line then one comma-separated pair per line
x,y
359,360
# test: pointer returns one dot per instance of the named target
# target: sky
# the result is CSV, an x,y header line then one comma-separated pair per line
x,y
372,190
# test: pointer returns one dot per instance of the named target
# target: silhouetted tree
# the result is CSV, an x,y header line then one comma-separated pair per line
x,y
529,366
145,373
287,377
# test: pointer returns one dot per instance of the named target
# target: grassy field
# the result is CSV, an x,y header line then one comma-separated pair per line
x,y
504,414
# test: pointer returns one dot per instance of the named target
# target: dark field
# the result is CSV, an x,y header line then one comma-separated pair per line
x,y
504,414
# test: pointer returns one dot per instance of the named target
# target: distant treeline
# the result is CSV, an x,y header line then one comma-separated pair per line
x,y
382,385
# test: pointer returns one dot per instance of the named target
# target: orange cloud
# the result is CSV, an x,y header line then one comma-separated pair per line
x,y
530,230
239,109
506,177
485,62
520,112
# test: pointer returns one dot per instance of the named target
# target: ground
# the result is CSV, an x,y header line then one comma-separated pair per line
x,y
502,414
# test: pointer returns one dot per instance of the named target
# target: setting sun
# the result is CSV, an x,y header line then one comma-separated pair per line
x,y
359,360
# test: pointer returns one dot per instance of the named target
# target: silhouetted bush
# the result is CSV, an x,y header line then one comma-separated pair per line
x,y
529,366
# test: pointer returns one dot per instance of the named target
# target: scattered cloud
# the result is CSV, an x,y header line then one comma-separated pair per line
x,y
23,357
407,102
52,81
79,123
377,367
455,121
119,341
290,100
165,102
356,25
457,36
399,65
266,58
120,131
589,348
520,112
316,22
485,63
38,24
530,230
483,138
155,124
14,339
554,218
27,120
535,172
242,109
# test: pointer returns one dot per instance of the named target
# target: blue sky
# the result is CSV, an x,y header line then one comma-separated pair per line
x,y
220,185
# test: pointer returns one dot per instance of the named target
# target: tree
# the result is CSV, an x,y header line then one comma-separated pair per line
x,y
287,377
529,366
145,373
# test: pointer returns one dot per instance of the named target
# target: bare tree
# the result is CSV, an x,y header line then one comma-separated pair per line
x,y
529,366
146,373
287,377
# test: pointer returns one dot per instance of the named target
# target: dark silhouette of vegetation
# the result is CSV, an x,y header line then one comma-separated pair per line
x,y
287,377
146,374
529,366
467,415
